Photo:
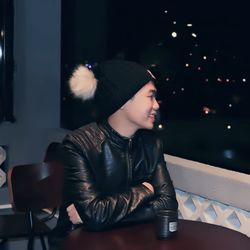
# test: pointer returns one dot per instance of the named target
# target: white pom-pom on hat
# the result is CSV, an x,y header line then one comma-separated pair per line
x,y
83,83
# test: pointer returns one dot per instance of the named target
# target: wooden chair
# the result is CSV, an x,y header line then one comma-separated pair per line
x,y
32,188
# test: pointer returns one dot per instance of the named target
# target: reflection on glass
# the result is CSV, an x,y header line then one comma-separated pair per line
x,y
229,153
1,52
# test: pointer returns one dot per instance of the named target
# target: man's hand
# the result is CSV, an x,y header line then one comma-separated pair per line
x,y
73,215
149,186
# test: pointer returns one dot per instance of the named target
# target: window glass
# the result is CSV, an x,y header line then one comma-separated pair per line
x,y
199,52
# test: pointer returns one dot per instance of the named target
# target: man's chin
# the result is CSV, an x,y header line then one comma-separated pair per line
x,y
149,126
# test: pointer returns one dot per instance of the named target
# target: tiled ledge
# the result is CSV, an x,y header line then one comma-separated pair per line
x,y
228,187
194,207
211,194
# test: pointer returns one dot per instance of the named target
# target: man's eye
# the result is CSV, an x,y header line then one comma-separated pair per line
x,y
152,96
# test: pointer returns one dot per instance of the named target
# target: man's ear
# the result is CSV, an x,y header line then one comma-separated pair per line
x,y
124,105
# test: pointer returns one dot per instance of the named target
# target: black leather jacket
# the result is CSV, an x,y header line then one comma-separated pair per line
x,y
104,173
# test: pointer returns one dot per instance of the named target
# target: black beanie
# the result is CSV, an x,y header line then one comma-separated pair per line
x,y
111,84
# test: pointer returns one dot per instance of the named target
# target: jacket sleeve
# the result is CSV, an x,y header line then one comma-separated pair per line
x,y
164,193
165,197
96,210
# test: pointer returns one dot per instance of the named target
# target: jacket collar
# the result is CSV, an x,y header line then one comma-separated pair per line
x,y
114,135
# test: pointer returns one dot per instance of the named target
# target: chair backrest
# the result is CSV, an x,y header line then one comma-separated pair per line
x,y
54,152
36,186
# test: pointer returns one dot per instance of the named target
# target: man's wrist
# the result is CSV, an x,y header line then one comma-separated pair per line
x,y
148,186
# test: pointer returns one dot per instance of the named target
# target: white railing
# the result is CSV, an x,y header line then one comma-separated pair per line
x,y
209,194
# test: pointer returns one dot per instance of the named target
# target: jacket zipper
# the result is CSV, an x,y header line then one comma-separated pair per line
x,y
129,162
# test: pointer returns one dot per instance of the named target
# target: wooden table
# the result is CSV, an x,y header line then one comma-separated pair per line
x,y
192,235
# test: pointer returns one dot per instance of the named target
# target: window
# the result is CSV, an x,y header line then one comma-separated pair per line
x,y
199,53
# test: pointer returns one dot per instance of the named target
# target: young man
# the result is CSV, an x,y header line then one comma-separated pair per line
x,y
114,168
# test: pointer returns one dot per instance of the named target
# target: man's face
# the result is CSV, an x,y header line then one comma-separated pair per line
x,y
140,111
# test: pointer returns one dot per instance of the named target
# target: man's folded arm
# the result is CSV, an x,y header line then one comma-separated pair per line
x,y
96,210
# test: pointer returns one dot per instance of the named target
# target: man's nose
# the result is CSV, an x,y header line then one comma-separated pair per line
x,y
156,105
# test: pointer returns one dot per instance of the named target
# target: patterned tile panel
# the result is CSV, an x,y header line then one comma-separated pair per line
x,y
197,208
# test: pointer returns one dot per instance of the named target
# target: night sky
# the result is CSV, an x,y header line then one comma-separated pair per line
x,y
193,47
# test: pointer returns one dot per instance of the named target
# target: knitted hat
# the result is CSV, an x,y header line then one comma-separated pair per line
x,y
111,84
